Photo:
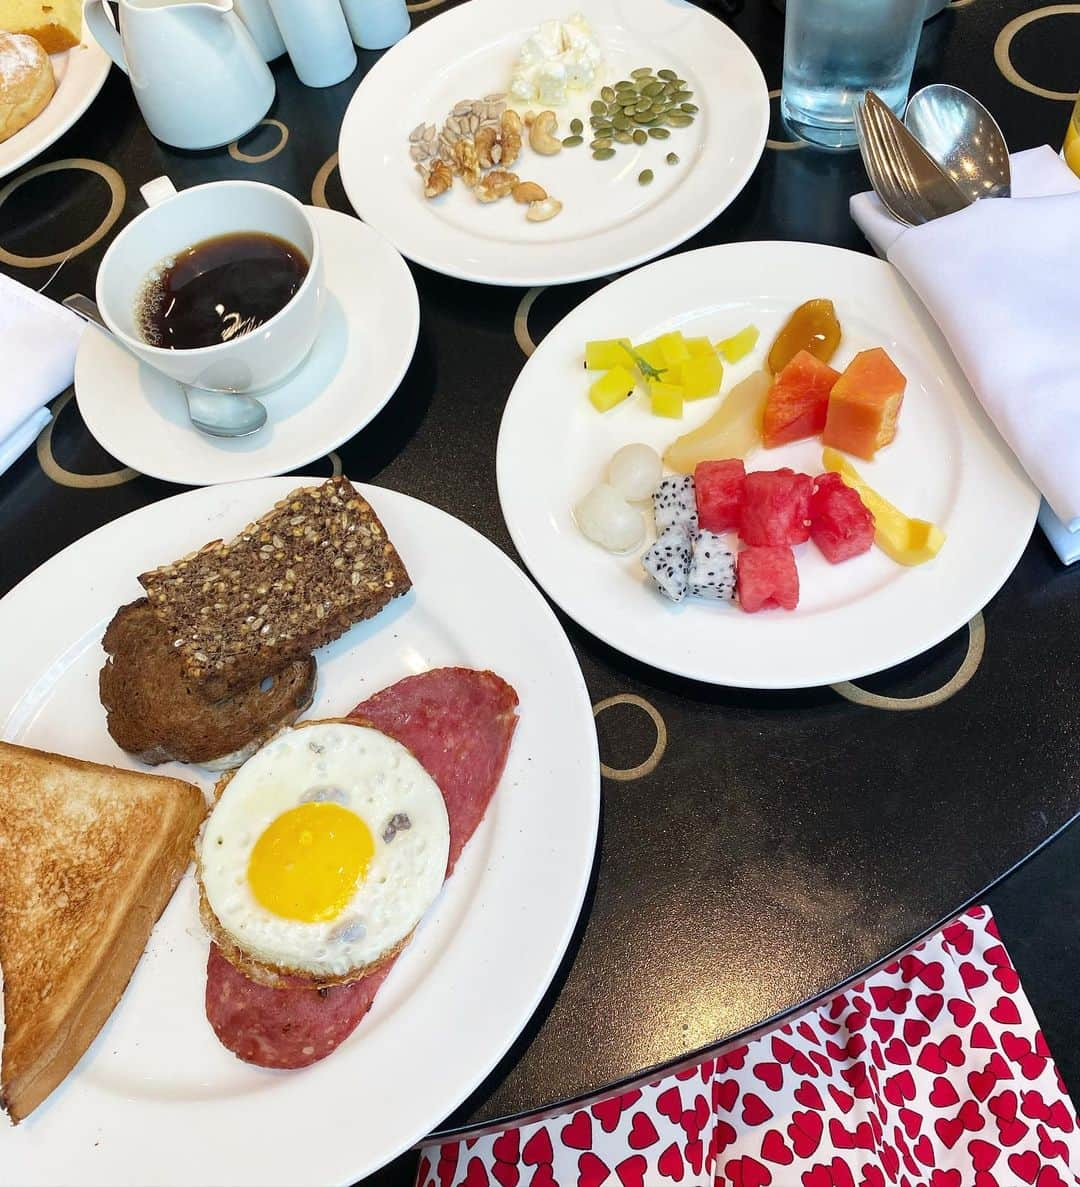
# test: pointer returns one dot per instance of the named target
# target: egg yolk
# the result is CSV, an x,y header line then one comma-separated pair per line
x,y
307,863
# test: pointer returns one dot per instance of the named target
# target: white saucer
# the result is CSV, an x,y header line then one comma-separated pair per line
x,y
371,323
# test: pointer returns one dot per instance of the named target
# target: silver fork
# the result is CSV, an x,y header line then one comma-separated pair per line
x,y
873,159
915,182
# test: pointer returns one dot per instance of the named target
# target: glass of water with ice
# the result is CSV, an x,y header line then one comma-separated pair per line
x,y
835,51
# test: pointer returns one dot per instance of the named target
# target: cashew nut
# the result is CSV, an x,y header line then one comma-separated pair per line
x,y
540,212
529,191
542,138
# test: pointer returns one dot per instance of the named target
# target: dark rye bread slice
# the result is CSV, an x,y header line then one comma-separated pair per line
x,y
155,712
291,582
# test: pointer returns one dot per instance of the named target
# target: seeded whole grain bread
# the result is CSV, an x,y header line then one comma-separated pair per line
x,y
155,712
89,858
291,582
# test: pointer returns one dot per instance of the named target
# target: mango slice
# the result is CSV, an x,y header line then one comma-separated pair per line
x,y
732,431
612,388
907,541
701,376
739,345
699,347
604,353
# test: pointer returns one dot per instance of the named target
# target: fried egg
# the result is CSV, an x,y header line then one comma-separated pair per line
x,y
324,850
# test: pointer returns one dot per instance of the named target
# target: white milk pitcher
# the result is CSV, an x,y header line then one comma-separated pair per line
x,y
198,76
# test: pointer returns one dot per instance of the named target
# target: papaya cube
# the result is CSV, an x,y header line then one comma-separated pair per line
x,y
673,348
612,388
667,399
604,353
699,347
864,405
739,345
798,401
701,376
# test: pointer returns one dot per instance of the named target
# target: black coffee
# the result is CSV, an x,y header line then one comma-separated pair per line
x,y
219,289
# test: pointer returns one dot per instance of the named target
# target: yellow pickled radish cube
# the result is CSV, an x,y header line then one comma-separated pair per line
x,y
653,354
699,347
674,349
701,376
612,388
604,353
739,345
667,399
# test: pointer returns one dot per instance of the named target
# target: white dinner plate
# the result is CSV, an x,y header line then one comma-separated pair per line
x,y
365,346
156,1099
609,222
80,74
947,464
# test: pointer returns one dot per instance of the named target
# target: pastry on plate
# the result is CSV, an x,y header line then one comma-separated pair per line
x,y
57,24
26,81
89,858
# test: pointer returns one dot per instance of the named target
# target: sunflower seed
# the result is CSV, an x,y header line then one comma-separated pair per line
x,y
645,177
498,97
463,108
416,134
419,153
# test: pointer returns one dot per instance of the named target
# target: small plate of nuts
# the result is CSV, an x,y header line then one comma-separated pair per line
x,y
441,151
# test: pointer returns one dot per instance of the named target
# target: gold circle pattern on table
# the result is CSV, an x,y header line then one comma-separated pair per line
x,y
782,145
872,700
521,321
629,774
118,192
424,5
64,477
1003,45
238,154
318,186
336,469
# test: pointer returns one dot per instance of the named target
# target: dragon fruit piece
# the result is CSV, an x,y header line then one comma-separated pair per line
x,y
712,569
668,562
674,502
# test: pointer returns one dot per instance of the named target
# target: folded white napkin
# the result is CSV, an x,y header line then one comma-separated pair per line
x,y
38,341
1000,280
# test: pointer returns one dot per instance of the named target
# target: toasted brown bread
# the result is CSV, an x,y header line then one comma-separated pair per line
x,y
89,857
299,577
157,713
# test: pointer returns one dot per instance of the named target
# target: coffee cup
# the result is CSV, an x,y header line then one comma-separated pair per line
x,y
177,221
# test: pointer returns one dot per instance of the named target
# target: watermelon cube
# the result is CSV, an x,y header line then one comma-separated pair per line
x,y
767,578
865,404
841,524
775,508
719,490
798,401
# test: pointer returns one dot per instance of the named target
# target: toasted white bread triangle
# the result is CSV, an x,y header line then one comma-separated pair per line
x,y
89,857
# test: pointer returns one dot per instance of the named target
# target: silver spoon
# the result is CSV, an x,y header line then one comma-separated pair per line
x,y
963,137
218,414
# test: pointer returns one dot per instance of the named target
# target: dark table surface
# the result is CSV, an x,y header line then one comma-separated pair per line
x,y
780,843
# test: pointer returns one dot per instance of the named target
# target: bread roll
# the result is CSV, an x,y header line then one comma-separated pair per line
x,y
26,82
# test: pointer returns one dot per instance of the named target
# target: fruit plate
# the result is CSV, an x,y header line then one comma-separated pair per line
x,y
480,959
947,464
609,222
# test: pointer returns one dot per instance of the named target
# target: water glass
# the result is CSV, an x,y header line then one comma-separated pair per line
x,y
835,51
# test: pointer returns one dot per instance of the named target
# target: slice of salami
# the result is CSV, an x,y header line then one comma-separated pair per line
x,y
459,723
284,1028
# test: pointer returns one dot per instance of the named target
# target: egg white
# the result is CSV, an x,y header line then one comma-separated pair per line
x,y
369,774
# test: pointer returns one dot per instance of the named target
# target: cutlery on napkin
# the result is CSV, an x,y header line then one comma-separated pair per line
x,y
38,342
999,278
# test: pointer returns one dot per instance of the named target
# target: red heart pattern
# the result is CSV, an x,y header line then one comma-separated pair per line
x,y
931,1073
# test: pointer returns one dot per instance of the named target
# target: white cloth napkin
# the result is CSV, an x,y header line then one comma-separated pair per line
x,y
38,341
1000,278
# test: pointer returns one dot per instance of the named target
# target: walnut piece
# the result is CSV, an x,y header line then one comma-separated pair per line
x,y
497,184
465,163
438,180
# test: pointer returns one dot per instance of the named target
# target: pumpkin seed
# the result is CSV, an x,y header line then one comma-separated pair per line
x,y
624,84
689,108
601,142
623,138
641,72
654,89
623,123
655,133
640,118
604,132
682,96
574,141
596,120
667,75
598,108
679,119
644,105
672,158
645,177
576,127
607,94
680,82
603,154
640,136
